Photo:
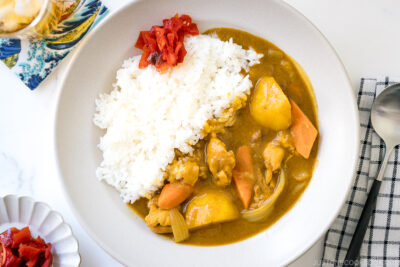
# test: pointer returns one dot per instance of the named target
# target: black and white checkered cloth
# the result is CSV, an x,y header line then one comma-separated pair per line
x,y
381,245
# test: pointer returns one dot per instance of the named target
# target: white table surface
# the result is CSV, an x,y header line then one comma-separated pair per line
x,y
365,35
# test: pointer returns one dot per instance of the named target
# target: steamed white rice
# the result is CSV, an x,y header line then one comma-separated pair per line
x,y
149,114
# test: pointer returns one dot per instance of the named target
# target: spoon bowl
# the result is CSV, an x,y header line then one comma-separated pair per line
x,y
385,115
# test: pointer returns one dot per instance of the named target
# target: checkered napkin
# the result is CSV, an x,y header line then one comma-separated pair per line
x,y
381,245
33,61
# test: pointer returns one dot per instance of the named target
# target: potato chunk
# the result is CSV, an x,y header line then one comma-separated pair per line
x,y
209,208
269,106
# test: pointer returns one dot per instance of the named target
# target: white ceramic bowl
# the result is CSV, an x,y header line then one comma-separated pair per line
x,y
117,228
24,211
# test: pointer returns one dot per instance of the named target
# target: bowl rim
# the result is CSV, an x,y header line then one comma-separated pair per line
x,y
356,134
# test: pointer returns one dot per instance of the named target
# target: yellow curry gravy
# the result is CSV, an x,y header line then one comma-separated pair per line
x,y
277,64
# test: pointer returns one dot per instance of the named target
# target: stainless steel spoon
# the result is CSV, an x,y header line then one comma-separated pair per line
x,y
385,118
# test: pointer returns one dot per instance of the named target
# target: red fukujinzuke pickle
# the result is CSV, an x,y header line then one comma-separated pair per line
x,y
163,45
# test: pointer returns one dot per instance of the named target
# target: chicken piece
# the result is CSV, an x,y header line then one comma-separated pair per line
x,y
185,169
157,216
269,105
199,157
260,196
220,161
261,188
226,119
285,139
273,155
258,193
262,179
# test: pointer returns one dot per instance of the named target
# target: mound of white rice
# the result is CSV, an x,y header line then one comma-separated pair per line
x,y
149,114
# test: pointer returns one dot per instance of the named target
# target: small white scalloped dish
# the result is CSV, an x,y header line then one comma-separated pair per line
x,y
20,212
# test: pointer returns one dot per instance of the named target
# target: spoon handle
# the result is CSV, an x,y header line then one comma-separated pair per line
x,y
358,236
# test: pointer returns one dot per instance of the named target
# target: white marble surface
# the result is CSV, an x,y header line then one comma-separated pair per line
x,y
365,35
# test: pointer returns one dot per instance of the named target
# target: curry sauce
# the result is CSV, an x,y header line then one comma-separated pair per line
x,y
277,64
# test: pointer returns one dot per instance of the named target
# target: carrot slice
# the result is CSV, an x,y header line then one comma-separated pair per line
x,y
244,186
244,162
243,175
174,194
303,131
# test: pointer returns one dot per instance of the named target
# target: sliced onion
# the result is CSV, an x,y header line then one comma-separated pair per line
x,y
262,212
301,176
179,226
